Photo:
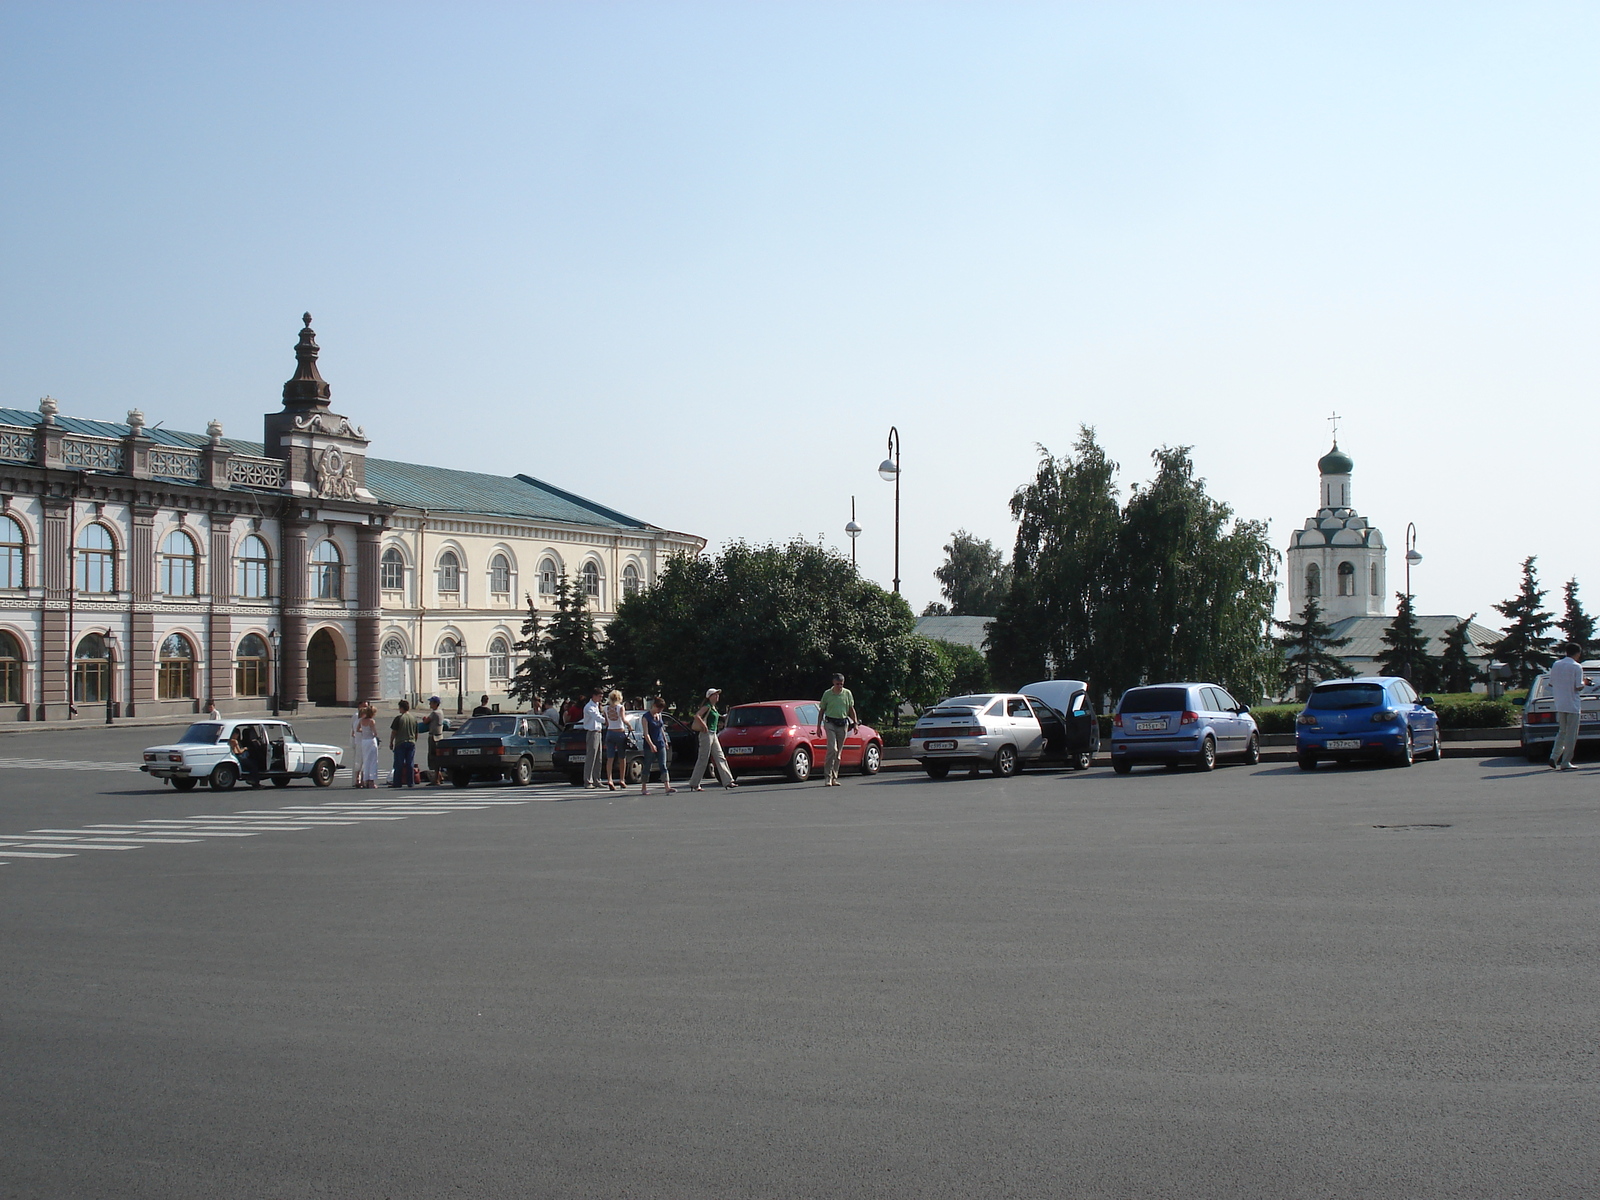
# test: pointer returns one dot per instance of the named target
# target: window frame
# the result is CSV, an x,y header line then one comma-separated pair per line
x,y
450,572
500,574
327,574
175,674
248,667
13,556
447,666
252,568
499,660
392,557
593,581
95,563
11,668
187,564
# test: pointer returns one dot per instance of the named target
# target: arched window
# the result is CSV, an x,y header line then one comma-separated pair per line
x,y
13,556
97,560
91,670
630,580
449,572
327,573
591,581
178,559
253,565
449,659
1313,580
175,671
392,571
500,574
1375,591
547,577
250,667
392,669
499,659
10,669
1347,579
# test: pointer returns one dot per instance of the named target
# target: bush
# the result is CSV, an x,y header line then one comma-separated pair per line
x,y
895,737
1276,718
1477,713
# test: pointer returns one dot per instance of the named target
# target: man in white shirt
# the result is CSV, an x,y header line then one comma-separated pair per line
x,y
1566,685
594,724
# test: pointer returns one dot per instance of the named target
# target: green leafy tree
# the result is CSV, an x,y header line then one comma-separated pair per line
x,y
576,662
1575,624
768,623
974,578
535,674
1407,653
968,668
1306,647
1524,647
934,609
1456,672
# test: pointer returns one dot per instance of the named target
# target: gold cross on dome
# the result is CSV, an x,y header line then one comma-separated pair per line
x,y
1335,420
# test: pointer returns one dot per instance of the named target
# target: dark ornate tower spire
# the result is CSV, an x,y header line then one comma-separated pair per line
x,y
307,391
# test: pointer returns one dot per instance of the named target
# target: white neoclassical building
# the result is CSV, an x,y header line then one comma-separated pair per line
x,y
1337,557
143,569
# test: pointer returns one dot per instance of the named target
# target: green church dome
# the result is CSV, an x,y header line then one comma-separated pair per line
x,y
1335,462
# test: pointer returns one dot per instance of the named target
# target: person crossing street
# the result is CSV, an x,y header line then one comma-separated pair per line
x,y
706,720
837,718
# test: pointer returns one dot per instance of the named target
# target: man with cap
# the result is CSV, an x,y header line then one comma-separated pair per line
x,y
836,717
434,724
594,726
706,719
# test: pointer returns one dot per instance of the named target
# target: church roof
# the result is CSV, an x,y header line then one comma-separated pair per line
x,y
405,485
1366,636
1335,462
963,631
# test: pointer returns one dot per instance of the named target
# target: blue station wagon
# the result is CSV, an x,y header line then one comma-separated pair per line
x,y
1376,716
1175,723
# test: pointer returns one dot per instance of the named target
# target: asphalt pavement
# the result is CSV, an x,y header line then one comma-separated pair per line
x,y
1359,982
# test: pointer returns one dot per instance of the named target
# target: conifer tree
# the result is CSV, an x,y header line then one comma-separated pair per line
x,y
1407,655
534,673
1305,648
1525,648
1456,672
576,662
1577,625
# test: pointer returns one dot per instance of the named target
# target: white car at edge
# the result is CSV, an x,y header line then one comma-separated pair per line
x,y
202,755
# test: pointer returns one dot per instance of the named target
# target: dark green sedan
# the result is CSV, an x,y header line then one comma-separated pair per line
x,y
514,746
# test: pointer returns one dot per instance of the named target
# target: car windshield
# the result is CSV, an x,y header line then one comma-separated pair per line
x,y
204,734
756,716
1346,695
1155,700
489,727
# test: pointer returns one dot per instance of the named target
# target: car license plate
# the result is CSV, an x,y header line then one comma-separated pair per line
x,y
938,745
469,750
741,749
1147,726
1344,743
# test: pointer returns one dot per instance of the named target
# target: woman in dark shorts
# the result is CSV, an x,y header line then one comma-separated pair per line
x,y
616,743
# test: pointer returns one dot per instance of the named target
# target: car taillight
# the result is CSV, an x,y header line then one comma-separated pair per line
x,y
174,758
1116,720
778,735
1305,719
1383,716
1548,718
149,758
1188,718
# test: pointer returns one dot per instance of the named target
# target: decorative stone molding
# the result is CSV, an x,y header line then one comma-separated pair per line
x,y
256,472
16,445
91,454
175,464
336,478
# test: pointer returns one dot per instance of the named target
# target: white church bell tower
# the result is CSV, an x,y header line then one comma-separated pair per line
x,y
1338,558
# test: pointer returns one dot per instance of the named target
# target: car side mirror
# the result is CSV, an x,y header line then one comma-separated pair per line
x,y
1242,709
1427,702
1520,701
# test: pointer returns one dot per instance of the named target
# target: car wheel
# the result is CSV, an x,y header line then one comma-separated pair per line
x,y
633,770
460,778
1436,751
280,781
1407,754
1308,762
799,769
185,785
871,759
1122,766
522,773
1207,758
1252,753
224,777
1005,762
936,770
322,773
1081,761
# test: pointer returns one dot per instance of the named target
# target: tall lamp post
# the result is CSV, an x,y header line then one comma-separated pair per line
x,y
889,470
1411,557
111,668
853,530
277,669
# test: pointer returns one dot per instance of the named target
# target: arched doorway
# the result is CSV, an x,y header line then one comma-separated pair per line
x,y
322,669
392,669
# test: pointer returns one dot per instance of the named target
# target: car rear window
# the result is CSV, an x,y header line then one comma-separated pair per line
x,y
1346,695
489,727
1155,700
203,734
756,716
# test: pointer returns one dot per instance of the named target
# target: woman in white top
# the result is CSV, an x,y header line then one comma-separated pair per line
x,y
616,747
367,744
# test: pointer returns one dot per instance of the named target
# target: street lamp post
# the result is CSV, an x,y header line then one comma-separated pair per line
x,y
1411,557
111,667
889,470
277,668
853,530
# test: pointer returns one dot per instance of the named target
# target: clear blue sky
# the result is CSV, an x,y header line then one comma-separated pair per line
x,y
693,260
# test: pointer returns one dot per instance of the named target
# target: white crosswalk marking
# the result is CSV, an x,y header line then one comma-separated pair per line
x,y
62,764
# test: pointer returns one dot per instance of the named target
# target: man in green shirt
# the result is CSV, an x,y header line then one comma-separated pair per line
x,y
837,714
403,741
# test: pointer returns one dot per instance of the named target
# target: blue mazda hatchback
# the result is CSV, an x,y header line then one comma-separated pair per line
x,y
1376,716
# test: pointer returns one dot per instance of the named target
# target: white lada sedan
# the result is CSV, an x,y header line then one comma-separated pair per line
x,y
268,749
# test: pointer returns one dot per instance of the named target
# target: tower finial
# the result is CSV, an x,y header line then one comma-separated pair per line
x,y
1333,419
307,390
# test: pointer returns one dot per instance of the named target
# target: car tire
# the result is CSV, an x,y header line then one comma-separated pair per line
x,y
1407,754
224,777
1436,751
1252,752
1122,766
872,759
799,768
522,773
632,770
185,785
1308,762
1206,760
937,770
460,779
322,772
1081,761
281,781
1005,763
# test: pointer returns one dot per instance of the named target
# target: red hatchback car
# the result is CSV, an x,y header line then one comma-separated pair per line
x,y
781,735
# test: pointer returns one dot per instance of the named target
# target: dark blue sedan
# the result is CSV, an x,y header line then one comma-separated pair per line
x,y
1377,716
